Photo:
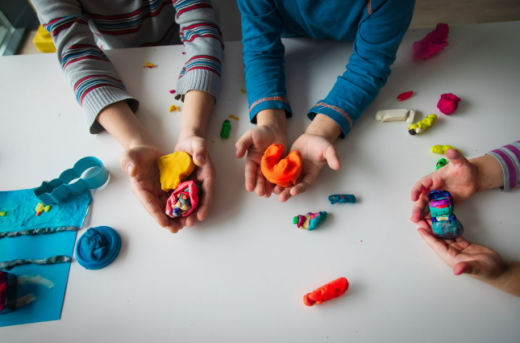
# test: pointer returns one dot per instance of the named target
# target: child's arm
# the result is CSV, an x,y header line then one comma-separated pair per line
x,y
88,70
475,260
263,53
203,44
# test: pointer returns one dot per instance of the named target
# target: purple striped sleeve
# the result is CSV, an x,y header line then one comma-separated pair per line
x,y
509,158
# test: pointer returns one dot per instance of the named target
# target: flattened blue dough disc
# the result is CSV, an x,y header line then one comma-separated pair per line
x,y
98,247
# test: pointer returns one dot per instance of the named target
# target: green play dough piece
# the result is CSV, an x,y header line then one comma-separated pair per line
x,y
226,128
47,208
3,214
295,220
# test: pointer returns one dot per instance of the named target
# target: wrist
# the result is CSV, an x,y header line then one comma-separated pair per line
x,y
273,118
489,172
324,126
119,120
192,132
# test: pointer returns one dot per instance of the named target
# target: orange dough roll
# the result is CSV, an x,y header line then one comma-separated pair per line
x,y
330,291
282,172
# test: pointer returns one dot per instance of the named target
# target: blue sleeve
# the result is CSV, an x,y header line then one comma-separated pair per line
x,y
263,54
380,32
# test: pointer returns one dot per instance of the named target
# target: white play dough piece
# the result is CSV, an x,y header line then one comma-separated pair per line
x,y
395,115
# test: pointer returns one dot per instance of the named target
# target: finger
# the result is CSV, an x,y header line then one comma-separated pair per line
x,y
436,244
129,163
455,157
306,182
268,189
150,203
191,220
260,185
208,188
331,156
243,144
422,185
200,153
277,190
419,209
251,171
285,195
473,268
174,225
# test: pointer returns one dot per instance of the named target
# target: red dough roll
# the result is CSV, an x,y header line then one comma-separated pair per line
x,y
282,172
330,291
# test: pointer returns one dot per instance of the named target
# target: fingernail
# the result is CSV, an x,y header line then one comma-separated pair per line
x,y
129,169
202,160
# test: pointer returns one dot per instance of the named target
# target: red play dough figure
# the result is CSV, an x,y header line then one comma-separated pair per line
x,y
330,291
432,44
282,172
448,103
404,96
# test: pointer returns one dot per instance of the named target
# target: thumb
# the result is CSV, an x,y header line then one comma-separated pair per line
x,y
455,157
129,162
332,158
200,153
473,268
243,144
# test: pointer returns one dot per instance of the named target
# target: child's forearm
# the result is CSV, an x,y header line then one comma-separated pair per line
x,y
119,120
490,173
197,109
324,126
509,280
273,118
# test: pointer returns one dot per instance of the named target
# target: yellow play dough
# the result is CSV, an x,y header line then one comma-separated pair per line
x,y
174,168
441,149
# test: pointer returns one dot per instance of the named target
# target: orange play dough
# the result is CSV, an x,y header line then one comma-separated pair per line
x,y
282,172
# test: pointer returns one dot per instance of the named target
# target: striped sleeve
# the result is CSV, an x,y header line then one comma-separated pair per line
x,y
88,70
202,39
509,158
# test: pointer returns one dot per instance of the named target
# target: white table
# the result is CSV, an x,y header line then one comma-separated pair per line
x,y
240,276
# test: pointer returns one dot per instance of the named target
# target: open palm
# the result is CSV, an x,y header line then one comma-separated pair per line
x,y
316,152
205,175
463,256
140,163
255,142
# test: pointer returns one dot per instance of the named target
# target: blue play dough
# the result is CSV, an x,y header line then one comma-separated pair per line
x,y
98,247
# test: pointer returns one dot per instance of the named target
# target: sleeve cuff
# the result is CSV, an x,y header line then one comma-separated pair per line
x,y
97,99
507,170
272,102
335,113
199,79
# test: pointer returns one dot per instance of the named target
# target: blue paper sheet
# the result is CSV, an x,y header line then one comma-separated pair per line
x,y
20,207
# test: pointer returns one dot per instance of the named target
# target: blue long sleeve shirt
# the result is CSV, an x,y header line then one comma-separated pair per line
x,y
375,26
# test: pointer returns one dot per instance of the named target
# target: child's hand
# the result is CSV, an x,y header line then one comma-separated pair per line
x,y
459,177
316,150
317,147
140,163
205,175
270,130
464,257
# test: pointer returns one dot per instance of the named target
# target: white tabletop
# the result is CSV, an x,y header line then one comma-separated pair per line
x,y
240,276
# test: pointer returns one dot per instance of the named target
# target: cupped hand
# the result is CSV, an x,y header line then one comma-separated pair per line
x,y
459,177
255,142
140,163
463,256
316,151
205,174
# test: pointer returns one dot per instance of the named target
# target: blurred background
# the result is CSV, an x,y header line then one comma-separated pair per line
x,y
19,24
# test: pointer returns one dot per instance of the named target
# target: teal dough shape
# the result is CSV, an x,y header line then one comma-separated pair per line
x,y
98,247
